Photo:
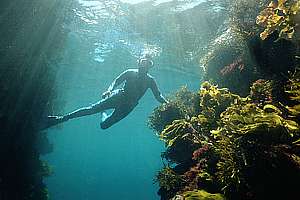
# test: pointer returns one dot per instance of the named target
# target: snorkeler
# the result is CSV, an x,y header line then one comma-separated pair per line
x,y
123,100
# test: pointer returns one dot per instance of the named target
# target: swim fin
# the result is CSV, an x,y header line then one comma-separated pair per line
x,y
52,121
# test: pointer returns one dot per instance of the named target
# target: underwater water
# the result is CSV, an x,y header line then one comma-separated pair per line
x,y
232,133
120,162
229,130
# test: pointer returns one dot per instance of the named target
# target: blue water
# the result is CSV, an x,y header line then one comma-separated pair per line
x,y
120,162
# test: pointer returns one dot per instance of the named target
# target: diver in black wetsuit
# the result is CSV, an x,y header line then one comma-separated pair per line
x,y
123,101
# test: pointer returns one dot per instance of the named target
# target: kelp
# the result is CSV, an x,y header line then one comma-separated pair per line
x,y
246,120
168,179
213,100
228,170
183,137
250,119
282,16
261,91
249,124
237,56
229,137
293,91
199,195
193,132
45,169
253,140
185,129
182,104
293,87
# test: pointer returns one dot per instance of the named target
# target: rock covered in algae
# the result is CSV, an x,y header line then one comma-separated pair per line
x,y
293,91
168,179
229,144
182,105
281,16
199,195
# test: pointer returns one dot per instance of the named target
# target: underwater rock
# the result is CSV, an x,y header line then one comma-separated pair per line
x,y
228,62
226,147
29,47
281,15
253,142
238,56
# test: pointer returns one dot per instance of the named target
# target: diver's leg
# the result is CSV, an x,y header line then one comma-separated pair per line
x,y
100,106
117,115
89,110
104,104
93,109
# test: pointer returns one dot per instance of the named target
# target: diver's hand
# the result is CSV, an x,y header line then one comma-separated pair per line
x,y
166,102
106,94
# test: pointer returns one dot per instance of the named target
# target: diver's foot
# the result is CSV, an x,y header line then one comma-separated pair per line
x,y
52,121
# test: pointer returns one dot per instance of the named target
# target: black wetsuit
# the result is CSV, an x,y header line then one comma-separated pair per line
x,y
123,100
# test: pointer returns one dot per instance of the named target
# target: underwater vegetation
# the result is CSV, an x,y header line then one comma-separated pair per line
x,y
29,49
198,194
182,104
234,147
238,56
293,90
282,16
241,139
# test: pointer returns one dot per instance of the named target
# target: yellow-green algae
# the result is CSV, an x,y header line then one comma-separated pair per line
x,y
235,129
281,15
199,195
167,178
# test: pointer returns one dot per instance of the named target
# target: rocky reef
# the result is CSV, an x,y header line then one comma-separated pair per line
x,y
238,136
233,147
32,37
258,40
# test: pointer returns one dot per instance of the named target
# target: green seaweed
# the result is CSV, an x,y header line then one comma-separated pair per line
x,y
214,101
200,195
185,129
247,118
228,166
293,91
281,16
182,104
168,179
239,133
261,91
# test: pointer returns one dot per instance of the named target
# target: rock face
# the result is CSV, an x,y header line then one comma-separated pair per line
x,y
227,146
28,45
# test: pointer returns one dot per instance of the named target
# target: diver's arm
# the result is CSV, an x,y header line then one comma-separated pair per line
x,y
120,79
157,94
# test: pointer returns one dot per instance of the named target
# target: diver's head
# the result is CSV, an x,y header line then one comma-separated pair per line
x,y
145,63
